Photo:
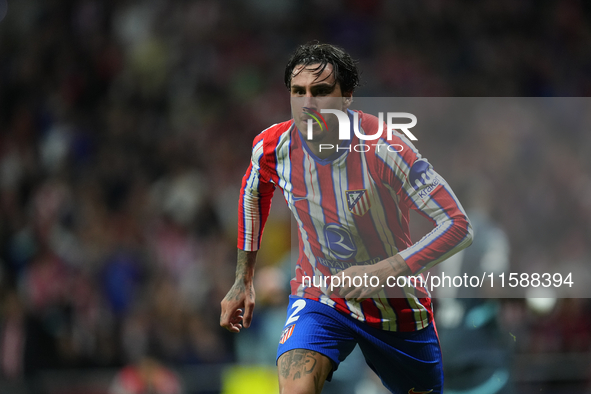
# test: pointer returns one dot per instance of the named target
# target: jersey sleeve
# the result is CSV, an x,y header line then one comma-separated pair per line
x,y
255,200
419,187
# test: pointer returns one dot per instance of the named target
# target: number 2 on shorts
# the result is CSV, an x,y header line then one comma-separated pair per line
x,y
298,305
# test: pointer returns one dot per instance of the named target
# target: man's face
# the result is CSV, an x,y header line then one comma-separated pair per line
x,y
317,92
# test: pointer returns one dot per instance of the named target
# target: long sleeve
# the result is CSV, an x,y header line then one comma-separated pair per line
x,y
419,187
429,194
255,201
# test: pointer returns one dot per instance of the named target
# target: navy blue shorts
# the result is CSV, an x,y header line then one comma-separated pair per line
x,y
406,362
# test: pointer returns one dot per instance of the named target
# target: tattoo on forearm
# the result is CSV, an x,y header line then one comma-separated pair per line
x,y
241,264
244,271
398,265
297,362
392,262
245,264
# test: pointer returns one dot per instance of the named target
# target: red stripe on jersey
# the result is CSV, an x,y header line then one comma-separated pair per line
x,y
372,313
363,223
303,192
253,210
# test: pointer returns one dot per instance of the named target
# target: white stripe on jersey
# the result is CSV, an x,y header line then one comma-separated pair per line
x,y
257,152
377,211
340,182
284,165
420,312
395,162
389,318
284,169
314,198
356,311
396,198
251,210
326,300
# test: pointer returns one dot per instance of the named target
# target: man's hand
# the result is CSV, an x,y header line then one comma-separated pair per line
x,y
238,304
392,266
237,307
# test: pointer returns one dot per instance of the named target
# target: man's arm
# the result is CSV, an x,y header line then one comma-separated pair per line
x,y
419,188
238,304
253,210
426,192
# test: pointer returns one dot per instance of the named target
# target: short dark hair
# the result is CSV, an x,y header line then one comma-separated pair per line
x,y
344,67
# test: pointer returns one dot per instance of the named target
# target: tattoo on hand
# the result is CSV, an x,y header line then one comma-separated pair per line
x,y
236,291
244,265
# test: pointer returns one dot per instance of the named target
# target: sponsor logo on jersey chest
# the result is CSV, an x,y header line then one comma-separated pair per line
x,y
340,241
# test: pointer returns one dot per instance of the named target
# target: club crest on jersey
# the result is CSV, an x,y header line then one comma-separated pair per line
x,y
286,333
358,201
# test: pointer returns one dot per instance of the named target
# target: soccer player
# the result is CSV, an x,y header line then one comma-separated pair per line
x,y
352,211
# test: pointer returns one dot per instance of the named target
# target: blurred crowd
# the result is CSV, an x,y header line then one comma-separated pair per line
x,y
126,126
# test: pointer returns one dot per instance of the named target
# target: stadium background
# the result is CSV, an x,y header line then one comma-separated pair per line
x,y
125,128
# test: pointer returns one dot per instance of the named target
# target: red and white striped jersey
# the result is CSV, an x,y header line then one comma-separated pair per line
x,y
353,208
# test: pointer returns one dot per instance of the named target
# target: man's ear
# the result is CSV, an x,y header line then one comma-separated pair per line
x,y
347,100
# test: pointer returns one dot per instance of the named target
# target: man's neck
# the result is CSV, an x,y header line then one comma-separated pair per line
x,y
324,149
326,145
